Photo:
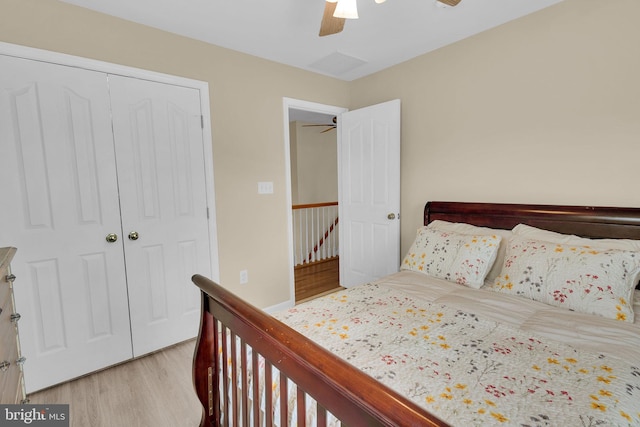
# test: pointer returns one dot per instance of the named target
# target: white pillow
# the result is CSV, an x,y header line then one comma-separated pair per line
x,y
534,233
460,258
469,229
580,278
636,305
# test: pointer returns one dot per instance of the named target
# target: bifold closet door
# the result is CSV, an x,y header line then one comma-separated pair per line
x,y
60,201
161,174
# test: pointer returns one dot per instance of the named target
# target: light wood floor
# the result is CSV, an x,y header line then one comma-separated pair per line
x,y
317,278
155,390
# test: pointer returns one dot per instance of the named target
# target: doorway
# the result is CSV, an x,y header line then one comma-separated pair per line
x,y
310,113
368,144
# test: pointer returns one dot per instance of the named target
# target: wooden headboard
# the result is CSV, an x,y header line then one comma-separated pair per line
x,y
586,221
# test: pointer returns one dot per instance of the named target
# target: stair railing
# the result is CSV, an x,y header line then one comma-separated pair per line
x,y
315,232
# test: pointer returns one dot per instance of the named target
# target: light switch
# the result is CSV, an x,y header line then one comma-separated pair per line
x,y
265,187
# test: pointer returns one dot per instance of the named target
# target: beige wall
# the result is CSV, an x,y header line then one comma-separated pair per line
x,y
545,109
316,165
247,120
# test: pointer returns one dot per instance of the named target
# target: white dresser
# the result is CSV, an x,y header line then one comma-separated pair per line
x,y
12,388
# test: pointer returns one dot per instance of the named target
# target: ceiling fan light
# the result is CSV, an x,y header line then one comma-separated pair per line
x,y
447,3
380,1
347,9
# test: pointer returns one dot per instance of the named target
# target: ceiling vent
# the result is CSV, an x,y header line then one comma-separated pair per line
x,y
337,64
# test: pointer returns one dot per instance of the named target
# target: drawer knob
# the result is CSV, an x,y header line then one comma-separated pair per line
x,y
15,317
10,277
4,365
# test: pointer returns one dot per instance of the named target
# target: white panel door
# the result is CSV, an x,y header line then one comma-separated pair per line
x,y
58,179
369,157
161,175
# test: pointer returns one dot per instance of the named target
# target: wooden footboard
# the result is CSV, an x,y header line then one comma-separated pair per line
x,y
353,397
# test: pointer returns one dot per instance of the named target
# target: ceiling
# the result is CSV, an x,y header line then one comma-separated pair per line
x,y
286,31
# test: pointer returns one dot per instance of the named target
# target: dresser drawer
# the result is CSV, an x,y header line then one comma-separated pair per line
x,y
8,329
10,379
5,291
11,384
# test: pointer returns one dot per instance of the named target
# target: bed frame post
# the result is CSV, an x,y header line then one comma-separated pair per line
x,y
205,372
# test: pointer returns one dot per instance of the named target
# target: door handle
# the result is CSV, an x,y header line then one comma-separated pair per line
x,y
133,235
391,216
111,237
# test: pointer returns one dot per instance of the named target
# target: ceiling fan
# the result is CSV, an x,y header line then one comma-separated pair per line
x,y
330,126
337,11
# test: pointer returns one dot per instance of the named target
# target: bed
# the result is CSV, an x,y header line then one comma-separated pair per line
x,y
474,339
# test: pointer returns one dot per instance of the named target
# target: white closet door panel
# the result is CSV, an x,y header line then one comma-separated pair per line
x,y
57,167
159,150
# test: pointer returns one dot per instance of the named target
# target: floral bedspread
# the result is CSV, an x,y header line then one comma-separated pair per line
x,y
467,370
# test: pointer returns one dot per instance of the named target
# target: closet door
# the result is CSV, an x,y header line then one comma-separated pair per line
x,y
159,149
57,169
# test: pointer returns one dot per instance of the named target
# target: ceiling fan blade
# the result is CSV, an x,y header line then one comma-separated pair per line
x,y
330,24
450,2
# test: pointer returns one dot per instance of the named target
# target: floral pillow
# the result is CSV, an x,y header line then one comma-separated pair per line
x,y
460,258
579,278
464,228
